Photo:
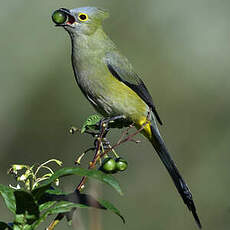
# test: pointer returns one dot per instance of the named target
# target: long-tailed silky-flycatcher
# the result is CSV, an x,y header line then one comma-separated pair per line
x,y
109,82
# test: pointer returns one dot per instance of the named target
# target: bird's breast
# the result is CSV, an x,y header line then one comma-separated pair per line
x,y
108,95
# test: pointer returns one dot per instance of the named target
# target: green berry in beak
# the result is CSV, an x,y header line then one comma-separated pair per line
x,y
59,17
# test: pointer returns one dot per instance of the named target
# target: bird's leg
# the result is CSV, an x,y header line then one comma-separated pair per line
x,y
110,120
126,132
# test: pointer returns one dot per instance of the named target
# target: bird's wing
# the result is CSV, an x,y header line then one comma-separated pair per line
x,y
121,69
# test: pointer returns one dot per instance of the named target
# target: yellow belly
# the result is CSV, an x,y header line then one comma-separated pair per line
x,y
118,99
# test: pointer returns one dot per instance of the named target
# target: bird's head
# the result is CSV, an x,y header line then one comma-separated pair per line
x,y
84,20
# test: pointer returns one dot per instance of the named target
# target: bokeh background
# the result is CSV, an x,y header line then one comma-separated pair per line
x,y
181,49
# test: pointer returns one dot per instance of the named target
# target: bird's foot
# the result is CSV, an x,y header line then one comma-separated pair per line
x,y
112,122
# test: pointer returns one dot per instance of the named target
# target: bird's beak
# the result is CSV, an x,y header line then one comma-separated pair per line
x,y
70,18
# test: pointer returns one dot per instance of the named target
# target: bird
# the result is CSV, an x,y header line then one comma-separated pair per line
x,y
110,83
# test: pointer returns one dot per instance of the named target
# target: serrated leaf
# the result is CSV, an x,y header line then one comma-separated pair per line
x,y
91,122
4,226
25,204
8,196
94,174
111,207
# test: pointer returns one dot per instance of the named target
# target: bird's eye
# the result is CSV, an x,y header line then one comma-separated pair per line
x,y
83,17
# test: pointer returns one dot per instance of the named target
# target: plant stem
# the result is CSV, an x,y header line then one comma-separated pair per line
x,y
97,156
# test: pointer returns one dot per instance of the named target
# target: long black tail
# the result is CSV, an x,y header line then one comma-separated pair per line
x,y
181,186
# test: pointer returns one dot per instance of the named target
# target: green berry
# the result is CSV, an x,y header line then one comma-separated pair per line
x,y
108,165
59,17
121,164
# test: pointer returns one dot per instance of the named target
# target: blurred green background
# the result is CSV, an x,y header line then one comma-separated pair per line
x,y
181,49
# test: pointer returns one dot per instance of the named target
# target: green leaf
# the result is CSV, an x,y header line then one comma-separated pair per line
x,y
4,226
65,206
56,207
55,191
59,207
8,196
26,205
91,122
75,197
19,219
94,174
46,205
85,200
111,207
17,227
27,227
